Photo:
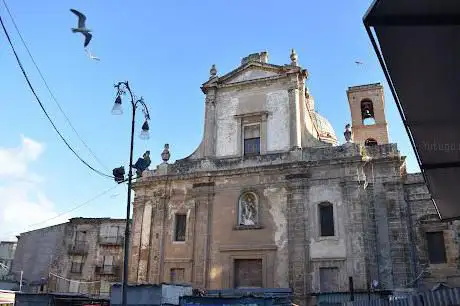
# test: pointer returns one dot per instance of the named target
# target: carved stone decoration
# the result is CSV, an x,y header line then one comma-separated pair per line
x,y
294,58
347,133
248,214
213,72
165,155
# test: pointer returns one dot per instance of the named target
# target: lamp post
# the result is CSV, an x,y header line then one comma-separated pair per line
x,y
122,88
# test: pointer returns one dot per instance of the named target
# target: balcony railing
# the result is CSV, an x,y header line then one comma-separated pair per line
x,y
107,269
111,240
79,248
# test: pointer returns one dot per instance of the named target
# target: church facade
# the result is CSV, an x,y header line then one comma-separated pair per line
x,y
271,199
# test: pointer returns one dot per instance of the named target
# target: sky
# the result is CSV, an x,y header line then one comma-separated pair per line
x,y
165,50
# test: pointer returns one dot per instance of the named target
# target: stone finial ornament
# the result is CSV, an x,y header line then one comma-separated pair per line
x,y
294,57
213,71
347,133
165,155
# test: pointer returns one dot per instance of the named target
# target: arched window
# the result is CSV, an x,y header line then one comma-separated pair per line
x,y
367,112
370,142
248,209
326,219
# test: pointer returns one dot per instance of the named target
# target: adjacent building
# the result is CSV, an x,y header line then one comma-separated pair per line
x,y
271,199
84,255
7,249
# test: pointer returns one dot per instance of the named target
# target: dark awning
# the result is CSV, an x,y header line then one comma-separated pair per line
x,y
418,45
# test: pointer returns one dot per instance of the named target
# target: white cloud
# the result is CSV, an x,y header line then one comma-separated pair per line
x,y
24,206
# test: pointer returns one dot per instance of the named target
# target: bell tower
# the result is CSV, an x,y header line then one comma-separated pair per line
x,y
367,106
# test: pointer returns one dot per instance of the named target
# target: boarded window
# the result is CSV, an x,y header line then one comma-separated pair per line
x,y
252,140
329,279
105,288
177,275
107,264
326,218
436,247
74,286
248,273
180,227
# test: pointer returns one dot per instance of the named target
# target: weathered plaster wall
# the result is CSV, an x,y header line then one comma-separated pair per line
x,y
327,247
273,98
425,219
278,121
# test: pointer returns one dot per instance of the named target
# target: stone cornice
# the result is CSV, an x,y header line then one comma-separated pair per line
x,y
248,247
282,72
265,169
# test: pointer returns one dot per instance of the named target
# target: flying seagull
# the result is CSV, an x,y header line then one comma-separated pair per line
x,y
82,27
91,56
358,63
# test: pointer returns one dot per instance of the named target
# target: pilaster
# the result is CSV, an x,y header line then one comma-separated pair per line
x,y
397,216
299,272
158,217
294,117
355,227
210,123
203,194
136,229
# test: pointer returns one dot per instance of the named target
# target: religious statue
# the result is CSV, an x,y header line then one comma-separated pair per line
x,y
248,210
347,133
142,163
165,155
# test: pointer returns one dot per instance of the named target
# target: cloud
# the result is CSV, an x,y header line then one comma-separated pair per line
x,y
24,204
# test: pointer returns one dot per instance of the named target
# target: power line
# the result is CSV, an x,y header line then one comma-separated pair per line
x,y
43,108
70,210
49,89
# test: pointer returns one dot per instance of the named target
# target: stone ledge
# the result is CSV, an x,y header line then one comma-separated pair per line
x,y
247,247
178,260
247,227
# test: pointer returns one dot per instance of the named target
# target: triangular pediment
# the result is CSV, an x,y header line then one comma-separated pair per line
x,y
251,71
251,74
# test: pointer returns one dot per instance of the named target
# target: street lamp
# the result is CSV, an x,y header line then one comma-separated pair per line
x,y
122,88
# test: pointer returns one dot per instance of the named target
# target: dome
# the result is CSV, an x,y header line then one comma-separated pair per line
x,y
325,130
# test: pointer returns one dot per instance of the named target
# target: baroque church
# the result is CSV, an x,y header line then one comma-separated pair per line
x,y
270,198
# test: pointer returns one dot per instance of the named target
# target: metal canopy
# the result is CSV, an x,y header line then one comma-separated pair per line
x,y
418,45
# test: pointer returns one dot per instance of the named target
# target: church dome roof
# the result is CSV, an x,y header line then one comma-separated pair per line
x,y
325,130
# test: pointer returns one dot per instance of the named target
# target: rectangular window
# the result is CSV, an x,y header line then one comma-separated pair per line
x,y
180,227
326,215
329,279
436,247
77,264
177,275
80,236
252,139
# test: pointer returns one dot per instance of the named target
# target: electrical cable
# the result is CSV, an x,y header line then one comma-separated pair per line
x,y
74,281
70,210
43,108
49,89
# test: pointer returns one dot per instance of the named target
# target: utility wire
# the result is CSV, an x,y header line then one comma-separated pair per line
x,y
70,210
49,89
43,108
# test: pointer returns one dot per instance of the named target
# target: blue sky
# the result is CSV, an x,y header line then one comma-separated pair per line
x,y
165,50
